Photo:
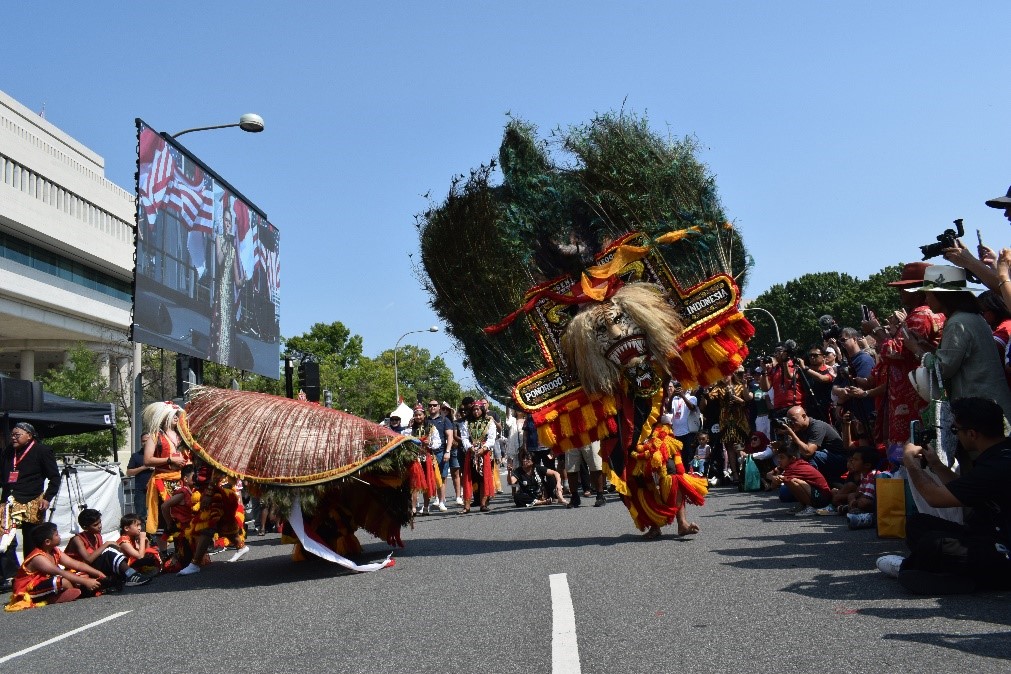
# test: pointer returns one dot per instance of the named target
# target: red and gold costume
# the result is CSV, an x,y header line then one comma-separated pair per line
x,y
163,482
34,588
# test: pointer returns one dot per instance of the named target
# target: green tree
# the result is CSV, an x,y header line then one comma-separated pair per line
x,y
420,375
81,378
799,303
327,340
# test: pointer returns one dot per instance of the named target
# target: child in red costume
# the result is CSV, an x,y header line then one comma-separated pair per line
x,y
47,576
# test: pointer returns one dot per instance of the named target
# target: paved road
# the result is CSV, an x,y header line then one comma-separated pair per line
x,y
756,591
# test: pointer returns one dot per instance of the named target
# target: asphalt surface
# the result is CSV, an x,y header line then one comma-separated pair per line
x,y
756,591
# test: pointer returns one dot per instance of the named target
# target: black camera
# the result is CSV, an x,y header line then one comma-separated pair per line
x,y
782,421
835,332
944,240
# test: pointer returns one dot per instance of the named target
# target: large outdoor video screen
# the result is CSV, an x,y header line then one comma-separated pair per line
x,y
207,279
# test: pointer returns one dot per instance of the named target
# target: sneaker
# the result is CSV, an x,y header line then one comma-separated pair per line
x,y
890,565
239,553
574,501
191,569
827,510
600,501
860,520
138,579
459,500
796,508
442,507
806,512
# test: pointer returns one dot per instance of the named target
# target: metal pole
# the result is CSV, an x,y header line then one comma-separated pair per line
x,y
767,313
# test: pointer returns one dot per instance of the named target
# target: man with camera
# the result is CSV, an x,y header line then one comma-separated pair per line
x,y
854,380
818,442
781,375
950,558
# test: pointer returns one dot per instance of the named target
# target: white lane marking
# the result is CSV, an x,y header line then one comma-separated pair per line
x,y
62,636
564,649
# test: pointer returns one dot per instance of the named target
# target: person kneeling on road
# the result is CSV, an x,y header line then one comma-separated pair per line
x,y
950,558
818,443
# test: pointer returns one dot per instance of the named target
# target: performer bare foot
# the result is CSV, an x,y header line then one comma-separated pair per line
x,y
685,528
651,534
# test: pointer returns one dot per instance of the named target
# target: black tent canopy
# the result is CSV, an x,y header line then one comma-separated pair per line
x,y
65,416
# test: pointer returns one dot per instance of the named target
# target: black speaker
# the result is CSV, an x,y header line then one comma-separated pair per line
x,y
20,395
308,379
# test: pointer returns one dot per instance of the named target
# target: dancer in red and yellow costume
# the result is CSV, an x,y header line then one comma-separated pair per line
x,y
167,452
217,511
622,347
424,478
478,435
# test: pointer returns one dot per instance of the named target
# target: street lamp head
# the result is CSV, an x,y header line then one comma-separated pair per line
x,y
434,328
251,122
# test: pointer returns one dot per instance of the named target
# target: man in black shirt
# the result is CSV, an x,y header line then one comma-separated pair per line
x,y
818,442
25,467
947,557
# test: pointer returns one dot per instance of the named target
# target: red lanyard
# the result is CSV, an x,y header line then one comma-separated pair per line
x,y
19,459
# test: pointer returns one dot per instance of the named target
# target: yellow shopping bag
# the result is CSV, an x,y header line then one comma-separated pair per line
x,y
891,505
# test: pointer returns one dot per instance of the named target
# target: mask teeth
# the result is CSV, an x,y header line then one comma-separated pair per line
x,y
634,344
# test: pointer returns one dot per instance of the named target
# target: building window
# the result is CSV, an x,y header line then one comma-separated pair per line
x,y
30,255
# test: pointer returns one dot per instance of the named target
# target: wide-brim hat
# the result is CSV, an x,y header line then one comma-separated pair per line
x,y
920,379
943,278
1000,202
912,275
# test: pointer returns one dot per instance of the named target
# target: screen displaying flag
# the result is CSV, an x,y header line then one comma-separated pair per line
x,y
207,280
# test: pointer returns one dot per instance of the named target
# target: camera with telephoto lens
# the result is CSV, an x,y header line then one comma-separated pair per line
x,y
944,240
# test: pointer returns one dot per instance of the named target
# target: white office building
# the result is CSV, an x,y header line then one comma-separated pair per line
x,y
66,250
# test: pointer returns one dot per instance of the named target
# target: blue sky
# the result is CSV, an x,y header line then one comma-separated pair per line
x,y
842,135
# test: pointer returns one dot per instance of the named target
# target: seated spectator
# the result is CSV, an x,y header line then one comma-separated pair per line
x,y
861,503
133,543
533,484
87,547
47,576
950,558
807,486
818,443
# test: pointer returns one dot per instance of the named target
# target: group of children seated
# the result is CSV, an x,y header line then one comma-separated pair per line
x,y
802,483
89,566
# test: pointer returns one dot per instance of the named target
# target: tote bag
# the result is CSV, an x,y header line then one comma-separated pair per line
x,y
891,507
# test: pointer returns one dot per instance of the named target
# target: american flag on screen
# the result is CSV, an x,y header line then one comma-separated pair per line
x,y
190,198
268,262
165,185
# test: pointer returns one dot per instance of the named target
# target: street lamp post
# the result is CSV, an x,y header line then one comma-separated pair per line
x,y
767,313
248,122
396,373
190,369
